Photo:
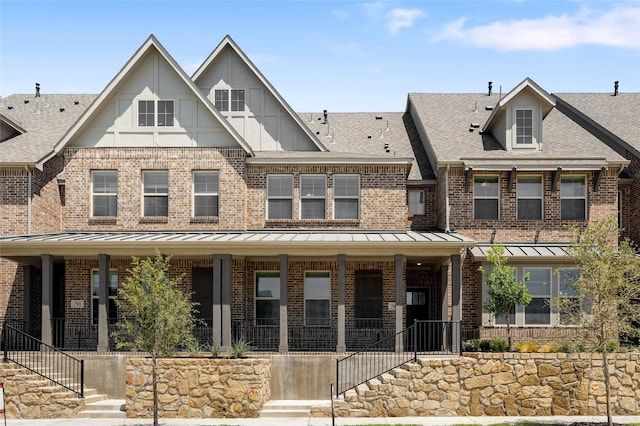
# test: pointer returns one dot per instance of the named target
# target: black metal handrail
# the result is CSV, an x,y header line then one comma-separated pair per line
x,y
42,359
429,337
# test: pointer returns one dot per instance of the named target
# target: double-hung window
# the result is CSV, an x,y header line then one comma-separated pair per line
x,y
221,100
529,193
368,299
205,193
317,298
112,294
237,99
573,198
415,199
104,193
524,127
486,197
569,308
147,113
279,197
313,197
538,312
346,197
229,100
155,193
267,298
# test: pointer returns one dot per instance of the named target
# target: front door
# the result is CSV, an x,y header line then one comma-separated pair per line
x,y
417,305
202,287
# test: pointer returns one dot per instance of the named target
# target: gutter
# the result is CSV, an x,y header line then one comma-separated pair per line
x,y
446,198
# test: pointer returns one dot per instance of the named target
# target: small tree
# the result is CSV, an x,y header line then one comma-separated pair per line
x,y
607,290
155,315
505,292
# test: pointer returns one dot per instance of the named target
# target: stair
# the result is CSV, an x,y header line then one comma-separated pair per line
x,y
288,408
98,406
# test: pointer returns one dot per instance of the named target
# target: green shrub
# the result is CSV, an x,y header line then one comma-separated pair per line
x,y
193,348
471,345
214,349
239,349
497,345
564,347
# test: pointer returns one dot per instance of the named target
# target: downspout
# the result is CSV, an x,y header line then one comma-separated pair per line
x,y
29,195
446,200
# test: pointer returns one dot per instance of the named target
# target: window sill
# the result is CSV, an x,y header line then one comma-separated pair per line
x,y
154,219
103,220
205,219
311,222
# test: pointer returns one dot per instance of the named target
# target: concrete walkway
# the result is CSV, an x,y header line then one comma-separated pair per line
x,y
341,421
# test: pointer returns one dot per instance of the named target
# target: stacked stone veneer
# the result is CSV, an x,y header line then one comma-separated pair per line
x,y
497,385
198,387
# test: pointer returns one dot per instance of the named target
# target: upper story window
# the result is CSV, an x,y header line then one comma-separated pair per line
x,y
147,113
415,199
524,127
317,298
104,193
267,298
279,197
205,193
155,193
112,294
486,197
313,197
530,194
222,97
346,197
573,198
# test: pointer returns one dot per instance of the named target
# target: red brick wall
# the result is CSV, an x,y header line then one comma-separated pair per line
x,y
631,202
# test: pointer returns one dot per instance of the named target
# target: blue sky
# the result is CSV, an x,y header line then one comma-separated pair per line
x,y
335,55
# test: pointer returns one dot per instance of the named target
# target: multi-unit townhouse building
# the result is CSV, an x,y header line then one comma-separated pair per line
x,y
299,231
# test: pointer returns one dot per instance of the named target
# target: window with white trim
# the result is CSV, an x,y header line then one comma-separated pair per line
x,y
415,200
229,100
346,196
147,113
237,99
486,197
112,309
279,197
313,196
221,99
538,312
530,196
524,127
267,298
165,113
155,193
317,298
573,197
104,193
205,193
568,293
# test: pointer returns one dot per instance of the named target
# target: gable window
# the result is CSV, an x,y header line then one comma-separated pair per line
x,y
313,197
279,197
165,113
267,298
112,310
205,193
524,127
229,100
317,298
346,197
155,193
573,198
222,100
104,193
529,193
368,300
486,197
538,312
146,113
415,199
237,100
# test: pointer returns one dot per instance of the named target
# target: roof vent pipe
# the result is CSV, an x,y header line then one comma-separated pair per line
x,y
490,87
37,90
615,88
325,116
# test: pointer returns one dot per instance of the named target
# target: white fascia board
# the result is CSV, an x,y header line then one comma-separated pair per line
x,y
317,161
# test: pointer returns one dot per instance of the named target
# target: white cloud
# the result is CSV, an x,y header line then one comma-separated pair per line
x,y
619,27
340,13
403,18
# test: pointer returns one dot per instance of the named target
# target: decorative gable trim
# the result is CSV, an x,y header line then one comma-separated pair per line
x,y
150,43
228,42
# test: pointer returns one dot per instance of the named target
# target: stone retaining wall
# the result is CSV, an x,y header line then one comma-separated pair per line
x,y
198,387
509,384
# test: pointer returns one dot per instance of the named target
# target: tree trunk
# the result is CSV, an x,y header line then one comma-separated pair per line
x,y
607,380
155,390
510,348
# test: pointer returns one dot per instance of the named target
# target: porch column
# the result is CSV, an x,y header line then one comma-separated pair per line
x,y
444,300
103,300
47,290
226,300
284,329
26,298
399,306
456,297
217,301
341,346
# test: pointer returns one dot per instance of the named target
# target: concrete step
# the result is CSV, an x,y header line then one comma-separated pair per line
x,y
288,408
104,409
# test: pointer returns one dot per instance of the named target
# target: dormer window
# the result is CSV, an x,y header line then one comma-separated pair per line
x,y
524,127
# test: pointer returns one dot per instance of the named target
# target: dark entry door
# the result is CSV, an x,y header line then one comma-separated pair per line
x,y
417,305
57,306
202,287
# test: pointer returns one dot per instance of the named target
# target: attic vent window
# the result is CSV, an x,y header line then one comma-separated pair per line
x,y
378,117
489,107
474,125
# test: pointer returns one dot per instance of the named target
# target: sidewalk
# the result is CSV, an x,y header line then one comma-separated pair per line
x,y
340,421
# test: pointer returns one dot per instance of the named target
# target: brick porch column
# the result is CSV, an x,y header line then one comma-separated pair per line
x,y
284,329
47,291
400,325
103,300
341,346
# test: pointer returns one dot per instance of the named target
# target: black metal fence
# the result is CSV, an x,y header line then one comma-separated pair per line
x,y
42,359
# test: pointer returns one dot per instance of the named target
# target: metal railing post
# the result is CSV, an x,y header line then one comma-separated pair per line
x,y
82,378
415,340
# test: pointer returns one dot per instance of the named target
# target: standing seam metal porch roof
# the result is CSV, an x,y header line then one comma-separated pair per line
x,y
365,243
525,251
